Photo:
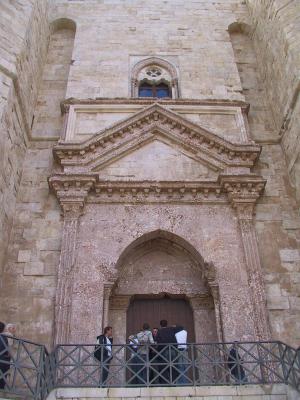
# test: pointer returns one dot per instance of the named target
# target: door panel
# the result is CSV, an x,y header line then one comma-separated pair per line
x,y
152,310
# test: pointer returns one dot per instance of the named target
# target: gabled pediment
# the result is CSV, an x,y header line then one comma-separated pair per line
x,y
155,160
156,123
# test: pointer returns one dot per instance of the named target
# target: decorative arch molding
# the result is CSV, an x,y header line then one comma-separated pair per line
x,y
169,75
165,235
206,298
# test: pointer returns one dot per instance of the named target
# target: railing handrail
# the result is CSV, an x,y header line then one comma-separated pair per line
x,y
205,363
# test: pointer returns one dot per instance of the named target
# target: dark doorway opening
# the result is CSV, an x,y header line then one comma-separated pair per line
x,y
151,309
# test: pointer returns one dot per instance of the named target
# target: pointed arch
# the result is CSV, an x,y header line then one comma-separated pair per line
x,y
175,240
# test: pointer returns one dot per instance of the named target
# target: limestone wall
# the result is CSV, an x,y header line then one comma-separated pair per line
x,y
191,35
276,34
110,37
22,23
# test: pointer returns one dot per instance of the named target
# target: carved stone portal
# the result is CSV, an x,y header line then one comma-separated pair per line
x,y
80,184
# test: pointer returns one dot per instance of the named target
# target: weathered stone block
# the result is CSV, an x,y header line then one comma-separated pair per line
x,y
34,268
24,255
289,255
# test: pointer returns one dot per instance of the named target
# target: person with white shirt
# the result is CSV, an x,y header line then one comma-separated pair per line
x,y
183,360
103,352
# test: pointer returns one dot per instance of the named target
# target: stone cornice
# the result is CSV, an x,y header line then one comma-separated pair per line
x,y
198,140
157,192
73,190
144,102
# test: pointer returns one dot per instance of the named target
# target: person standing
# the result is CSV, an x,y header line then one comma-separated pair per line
x,y
154,358
183,361
166,335
145,339
10,330
103,353
235,366
4,357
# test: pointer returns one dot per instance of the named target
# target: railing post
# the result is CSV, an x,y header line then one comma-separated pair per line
x,y
40,373
282,352
193,363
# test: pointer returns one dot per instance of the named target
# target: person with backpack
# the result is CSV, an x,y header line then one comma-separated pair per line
x,y
144,338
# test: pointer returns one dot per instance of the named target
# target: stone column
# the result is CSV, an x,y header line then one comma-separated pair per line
x,y
243,194
211,276
204,318
254,269
71,191
63,300
106,294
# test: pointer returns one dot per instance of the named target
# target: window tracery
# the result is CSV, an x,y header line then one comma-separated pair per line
x,y
154,77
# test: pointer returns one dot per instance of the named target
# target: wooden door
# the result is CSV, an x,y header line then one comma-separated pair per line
x,y
151,310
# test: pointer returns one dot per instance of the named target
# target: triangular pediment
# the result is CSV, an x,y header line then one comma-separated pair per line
x,y
152,124
156,160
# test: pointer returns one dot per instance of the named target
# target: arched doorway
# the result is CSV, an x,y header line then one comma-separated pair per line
x,y
151,309
154,272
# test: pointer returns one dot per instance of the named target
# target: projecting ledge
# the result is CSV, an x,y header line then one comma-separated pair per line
x,y
259,392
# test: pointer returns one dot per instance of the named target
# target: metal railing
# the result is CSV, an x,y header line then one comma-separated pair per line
x,y
33,373
23,367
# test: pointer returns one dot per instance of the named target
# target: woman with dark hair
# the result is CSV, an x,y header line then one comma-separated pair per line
x,y
4,357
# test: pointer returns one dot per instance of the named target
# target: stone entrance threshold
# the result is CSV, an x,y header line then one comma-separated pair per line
x,y
247,392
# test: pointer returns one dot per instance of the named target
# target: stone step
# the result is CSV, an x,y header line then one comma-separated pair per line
x,y
245,392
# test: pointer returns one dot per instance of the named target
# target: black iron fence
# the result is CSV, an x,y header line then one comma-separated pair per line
x,y
32,373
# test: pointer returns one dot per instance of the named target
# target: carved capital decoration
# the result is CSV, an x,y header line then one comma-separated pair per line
x,y
119,302
200,302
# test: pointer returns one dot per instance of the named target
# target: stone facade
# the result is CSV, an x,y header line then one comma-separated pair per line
x,y
94,179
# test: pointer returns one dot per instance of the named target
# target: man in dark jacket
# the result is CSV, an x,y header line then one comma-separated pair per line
x,y
166,334
4,357
234,362
103,352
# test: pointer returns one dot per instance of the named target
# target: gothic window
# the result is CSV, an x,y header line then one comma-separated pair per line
x,y
151,90
154,77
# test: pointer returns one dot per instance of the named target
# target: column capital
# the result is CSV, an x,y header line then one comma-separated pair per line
x,y
243,191
120,302
107,289
71,191
202,301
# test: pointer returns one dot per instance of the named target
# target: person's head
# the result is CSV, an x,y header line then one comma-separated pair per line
x,y
11,329
154,331
2,326
146,326
163,323
108,331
